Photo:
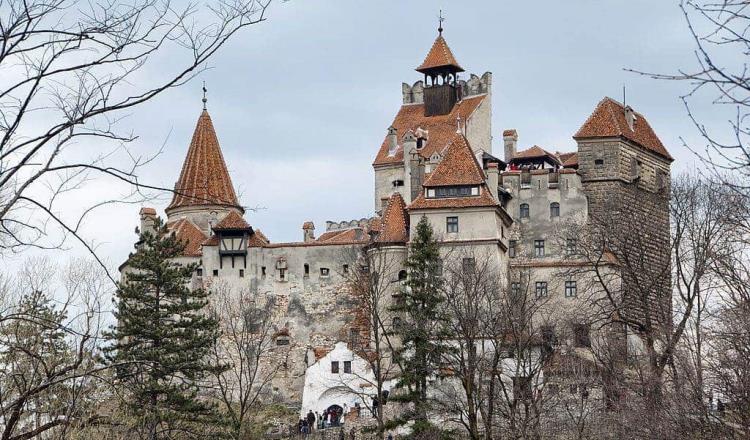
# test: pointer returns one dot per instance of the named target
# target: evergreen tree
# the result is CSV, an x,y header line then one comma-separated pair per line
x,y
162,338
421,331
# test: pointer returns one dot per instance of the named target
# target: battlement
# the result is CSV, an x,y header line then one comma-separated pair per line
x,y
475,85
515,181
337,226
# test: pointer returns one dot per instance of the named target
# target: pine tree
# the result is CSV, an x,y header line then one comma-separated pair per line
x,y
162,338
421,331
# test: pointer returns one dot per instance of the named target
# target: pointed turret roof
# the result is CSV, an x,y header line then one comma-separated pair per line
x,y
204,179
459,167
440,56
394,226
608,120
233,221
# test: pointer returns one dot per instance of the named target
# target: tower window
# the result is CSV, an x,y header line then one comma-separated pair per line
x,y
307,270
538,248
402,275
282,274
324,271
512,248
599,162
346,269
348,367
398,182
570,245
263,271
199,272
515,289
571,290
524,213
554,209
541,289
334,367
242,273
451,224
216,272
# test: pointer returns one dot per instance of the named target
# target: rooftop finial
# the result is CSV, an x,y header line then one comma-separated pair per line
x,y
205,100
441,19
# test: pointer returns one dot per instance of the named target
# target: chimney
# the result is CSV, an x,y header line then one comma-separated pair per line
x,y
392,140
148,220
493,178
510,139
308,232
409,141
630,117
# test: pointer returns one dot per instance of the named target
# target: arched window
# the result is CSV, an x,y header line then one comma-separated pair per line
x,y
524,210
554,209
402,276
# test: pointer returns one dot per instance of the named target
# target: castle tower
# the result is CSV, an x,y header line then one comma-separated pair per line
x,y
204,193
440,69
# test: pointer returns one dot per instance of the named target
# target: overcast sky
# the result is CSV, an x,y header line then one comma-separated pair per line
x,y
301,102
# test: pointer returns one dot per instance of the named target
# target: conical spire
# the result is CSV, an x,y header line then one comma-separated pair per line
x,y
440,57
204,179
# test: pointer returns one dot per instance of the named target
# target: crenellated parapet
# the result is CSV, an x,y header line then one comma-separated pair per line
x,y
475,85
347,224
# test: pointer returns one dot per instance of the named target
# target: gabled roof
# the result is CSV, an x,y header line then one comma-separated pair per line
x,y
441,128
569,160
608,120
187,232
440,55
204,179
458,167
535,152
232,221
395,224
342,236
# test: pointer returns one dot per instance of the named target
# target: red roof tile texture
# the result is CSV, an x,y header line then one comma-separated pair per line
x,y
187,232
204,179
395,223
458,167
441,128
569,160
510,132
233,220
440,55
536,152
608,120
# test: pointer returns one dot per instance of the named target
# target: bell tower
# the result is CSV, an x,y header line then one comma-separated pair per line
x,y
440,69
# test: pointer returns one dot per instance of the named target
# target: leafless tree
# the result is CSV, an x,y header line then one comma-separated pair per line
x,y
70,72
246,345
49,331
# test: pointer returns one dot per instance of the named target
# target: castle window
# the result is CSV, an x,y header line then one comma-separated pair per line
x,y
216,272
199,272
451,224
242,273
282,340
348,367
307,270
324,271
541,289
402,275
599,162
398,182
515,289
554,209
456,191
524,210
570,245
282,274
468,264
571,290
512,248
263,271
581,335
396,324
334,367
538,248
353,338
346,269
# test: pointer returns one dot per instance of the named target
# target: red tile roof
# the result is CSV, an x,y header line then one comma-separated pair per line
x,y
458,167
510,132
484,199
441,128
569,160
147,211
440,55
536,152
308,225
343,236
395,224
608,120
233,220
258,239
204,179
187,232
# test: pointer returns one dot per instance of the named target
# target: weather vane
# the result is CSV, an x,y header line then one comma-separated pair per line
x,y
205,100
441,19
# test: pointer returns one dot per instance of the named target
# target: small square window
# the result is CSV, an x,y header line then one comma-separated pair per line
x,y
468,265
263,271
242,273
216,272
346,269
451,224
538,248
599,162
199,272
334,367
571,290
541,289
512,244
324,271
307,270
524,210
348,367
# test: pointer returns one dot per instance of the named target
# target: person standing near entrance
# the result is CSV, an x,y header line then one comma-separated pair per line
x,y
310,419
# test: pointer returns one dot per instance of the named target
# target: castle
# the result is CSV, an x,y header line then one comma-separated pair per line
x,y
436,161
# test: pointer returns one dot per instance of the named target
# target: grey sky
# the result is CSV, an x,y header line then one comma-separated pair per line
x,y
302,101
